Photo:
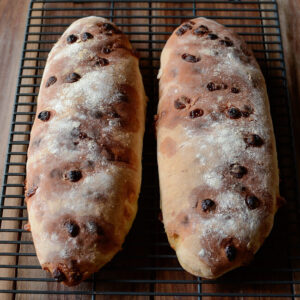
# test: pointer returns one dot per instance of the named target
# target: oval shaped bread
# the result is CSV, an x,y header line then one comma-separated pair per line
x,y
216,149
84,157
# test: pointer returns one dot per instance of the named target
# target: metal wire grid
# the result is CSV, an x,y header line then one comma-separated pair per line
x,y
147,267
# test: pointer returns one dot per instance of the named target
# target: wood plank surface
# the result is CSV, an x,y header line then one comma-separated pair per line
x,y
11,40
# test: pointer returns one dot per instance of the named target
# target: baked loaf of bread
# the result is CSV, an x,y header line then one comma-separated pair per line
x,y
216,149
84,157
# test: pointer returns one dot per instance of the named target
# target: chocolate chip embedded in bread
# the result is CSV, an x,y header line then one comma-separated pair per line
x,y
246,111
212,36
237,171
73,175
230,252
190,58
58,275
86,36
31,191
234,113
72,228
235,90
253,140
44,115
101,61
201,30
207,205
211,86
252,201
72,77
106,50
178,104
183,29
227,42
198,112
51,80
71,39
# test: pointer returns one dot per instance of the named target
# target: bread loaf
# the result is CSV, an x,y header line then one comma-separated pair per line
x,y
84,157
216,149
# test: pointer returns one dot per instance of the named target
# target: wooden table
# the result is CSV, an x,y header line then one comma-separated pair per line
x,y
13,15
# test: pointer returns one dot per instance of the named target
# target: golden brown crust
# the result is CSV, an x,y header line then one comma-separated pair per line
x,y
216,149
84,157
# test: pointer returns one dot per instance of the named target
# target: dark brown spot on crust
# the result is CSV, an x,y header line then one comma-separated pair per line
x,y
101,61
252,201
212,36
207,205
58,275
254,140
234,113
108,28
196,113
73,175
72,77
237,171
86,36
190,58
72,228
71,39
51,80
44,115
201,30
230,252
183,29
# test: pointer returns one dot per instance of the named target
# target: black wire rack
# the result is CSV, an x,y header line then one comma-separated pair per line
x,y
147,267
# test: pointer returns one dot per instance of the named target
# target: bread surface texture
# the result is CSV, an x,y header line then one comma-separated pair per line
x,y
217,160
84,157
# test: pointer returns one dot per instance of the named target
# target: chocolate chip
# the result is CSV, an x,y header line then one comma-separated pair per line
x,y
235,90
108,27
253,140
86,36
72,228
58,275
106,50
190,58
183,29
44,115
72,77
227,42
71,39
237,171
234,113
185,220
230,252
247,110
207,205
252,201
196,113
211,86
31,191
51,80
201,30
212,36
101,61
82,135
73,175
178,104
96,114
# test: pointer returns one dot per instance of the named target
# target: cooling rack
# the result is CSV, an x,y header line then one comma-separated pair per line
x,y
147,267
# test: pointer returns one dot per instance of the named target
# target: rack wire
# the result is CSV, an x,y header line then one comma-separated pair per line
x,y
147,267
